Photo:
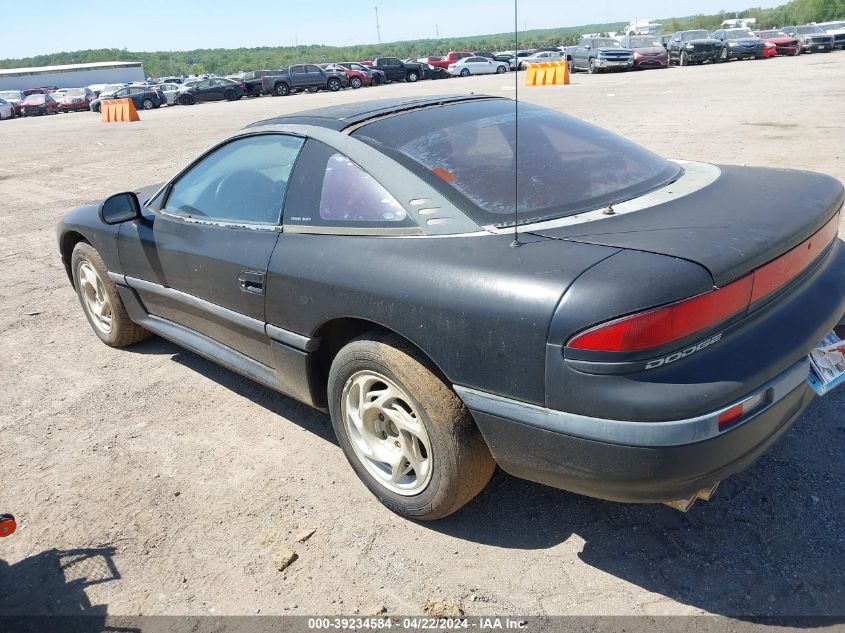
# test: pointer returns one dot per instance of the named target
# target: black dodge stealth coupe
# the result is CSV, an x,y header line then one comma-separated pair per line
x,y
645,336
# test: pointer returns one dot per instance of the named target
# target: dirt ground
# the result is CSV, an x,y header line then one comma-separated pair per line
x,y
150,481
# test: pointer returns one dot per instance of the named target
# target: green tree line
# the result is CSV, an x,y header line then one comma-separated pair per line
x,y
225,61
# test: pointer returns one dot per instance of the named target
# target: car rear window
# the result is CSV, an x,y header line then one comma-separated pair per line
x,y
564,167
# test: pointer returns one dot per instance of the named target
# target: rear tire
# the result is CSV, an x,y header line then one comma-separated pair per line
x,y
333,85
147,104
407,410
281,90
100,300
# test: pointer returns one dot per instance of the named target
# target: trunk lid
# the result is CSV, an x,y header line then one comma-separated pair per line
x,y
744,219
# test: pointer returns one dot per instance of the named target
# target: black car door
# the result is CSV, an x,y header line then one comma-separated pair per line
x,y
202,90
199,256
216,90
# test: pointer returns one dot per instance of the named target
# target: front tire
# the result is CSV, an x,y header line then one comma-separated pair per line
x,y
465,72
723,55
591,67
100,300
501,70
406,434
684,59
231,95
413,76
355,82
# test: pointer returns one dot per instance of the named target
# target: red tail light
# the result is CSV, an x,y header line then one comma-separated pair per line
x,y
661,326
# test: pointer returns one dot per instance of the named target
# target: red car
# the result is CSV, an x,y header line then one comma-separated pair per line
x,y
37,104
357,78
76,100
445,61
778,43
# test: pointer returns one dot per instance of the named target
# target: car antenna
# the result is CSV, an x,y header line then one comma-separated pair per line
x,y
516,241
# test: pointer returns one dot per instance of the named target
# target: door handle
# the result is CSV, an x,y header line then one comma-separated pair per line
x,y
252,282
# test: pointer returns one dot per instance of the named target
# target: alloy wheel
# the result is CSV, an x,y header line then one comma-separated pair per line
x,y
386,434
94,298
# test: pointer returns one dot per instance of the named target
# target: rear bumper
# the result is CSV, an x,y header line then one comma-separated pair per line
x,y
637,462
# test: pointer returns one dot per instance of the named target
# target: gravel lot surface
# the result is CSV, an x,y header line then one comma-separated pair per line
x,y
151,481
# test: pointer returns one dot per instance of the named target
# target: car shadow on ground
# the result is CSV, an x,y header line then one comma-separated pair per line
x,y
46,591
769,543
302,415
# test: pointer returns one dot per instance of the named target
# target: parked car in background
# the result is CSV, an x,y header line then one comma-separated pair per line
x,y
739,44
640,356
476,66
212,89
304,77
779,43
447,60
7,110
497,57
397,70
14,97
253,86
76,100
601,54
377,77
169,80
541,57
664,40
357,78
693,47
837,30
170,92
143,97
813,38
39,104
648,51
58,94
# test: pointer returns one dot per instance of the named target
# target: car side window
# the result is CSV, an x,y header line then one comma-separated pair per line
x,y
344,195
244,181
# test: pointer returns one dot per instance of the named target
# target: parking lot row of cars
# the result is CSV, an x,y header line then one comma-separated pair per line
x,y
592,54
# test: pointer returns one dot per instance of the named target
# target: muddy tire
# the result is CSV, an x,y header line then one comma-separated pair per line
x,y
406,434
100,300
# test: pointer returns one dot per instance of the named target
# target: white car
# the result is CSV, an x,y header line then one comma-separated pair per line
x,y
477,66
837,30
540,58
7,110
170,91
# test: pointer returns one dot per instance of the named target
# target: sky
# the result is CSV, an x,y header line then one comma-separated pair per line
x,y
50,26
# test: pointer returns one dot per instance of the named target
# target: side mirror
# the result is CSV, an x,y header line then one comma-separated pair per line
x,y
121,207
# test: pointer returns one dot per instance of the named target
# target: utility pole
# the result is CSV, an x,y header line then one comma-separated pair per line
x,y
437,30
378,27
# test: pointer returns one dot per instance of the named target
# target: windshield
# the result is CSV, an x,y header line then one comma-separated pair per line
x,y
738,34
11,94
805,30
75,92
645,42
772,34
606,42
695,35
565,166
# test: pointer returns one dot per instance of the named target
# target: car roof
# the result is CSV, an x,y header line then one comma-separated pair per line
x,y
340,117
